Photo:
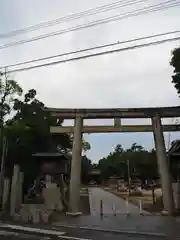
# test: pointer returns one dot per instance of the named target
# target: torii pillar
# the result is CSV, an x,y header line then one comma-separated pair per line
x,y
75,178
117,122
166,183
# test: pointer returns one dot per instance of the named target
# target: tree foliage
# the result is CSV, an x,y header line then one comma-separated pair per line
x,y
30,127
9,90
142,163
85,146
175,62
28,132
86,167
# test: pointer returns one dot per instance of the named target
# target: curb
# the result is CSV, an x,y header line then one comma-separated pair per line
x,y
116,231
25,229
125,231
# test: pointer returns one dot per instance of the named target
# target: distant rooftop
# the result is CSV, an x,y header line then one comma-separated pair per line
x,y
175,148
44,154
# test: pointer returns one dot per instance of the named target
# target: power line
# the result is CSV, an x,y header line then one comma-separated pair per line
x,y
152,8
71,17
97,22
91,48
95,54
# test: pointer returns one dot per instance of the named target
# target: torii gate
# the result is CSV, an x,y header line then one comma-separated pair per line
x,y
155,114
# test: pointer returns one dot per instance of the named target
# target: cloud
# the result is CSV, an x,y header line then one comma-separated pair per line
x,y
137,78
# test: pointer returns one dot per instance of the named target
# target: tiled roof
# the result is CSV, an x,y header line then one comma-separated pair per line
x,y
175,148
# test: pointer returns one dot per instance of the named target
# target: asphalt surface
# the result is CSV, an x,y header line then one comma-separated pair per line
x,y
72,234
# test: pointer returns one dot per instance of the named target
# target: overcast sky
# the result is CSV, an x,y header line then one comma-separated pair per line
x,y
137,78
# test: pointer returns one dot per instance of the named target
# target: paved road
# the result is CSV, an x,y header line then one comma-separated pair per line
x,y
75,234
110,202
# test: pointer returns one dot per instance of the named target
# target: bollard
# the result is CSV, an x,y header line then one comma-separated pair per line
x,y
140,207
153,195
101,207
127,206
114,209
25,216
45,217
36,216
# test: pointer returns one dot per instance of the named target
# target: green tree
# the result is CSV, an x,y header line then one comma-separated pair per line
x,y
85,146
113,164
9,90
30,127
175,62
28,132
118,149
86,168
142,163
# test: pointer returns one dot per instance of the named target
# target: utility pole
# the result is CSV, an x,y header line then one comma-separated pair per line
x,y
4,154
129,177
3,143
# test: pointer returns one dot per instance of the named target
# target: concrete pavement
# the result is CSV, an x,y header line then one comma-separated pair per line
x,y
111,203
131,223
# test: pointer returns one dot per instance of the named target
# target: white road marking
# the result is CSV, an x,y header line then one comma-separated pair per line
x,y
33,230
15,234
73,238
4,233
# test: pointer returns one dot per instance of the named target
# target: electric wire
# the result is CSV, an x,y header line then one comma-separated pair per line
x,y
90,49
94,55
152,8
71,17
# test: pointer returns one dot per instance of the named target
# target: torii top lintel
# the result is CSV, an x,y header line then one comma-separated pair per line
x,y
92,113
